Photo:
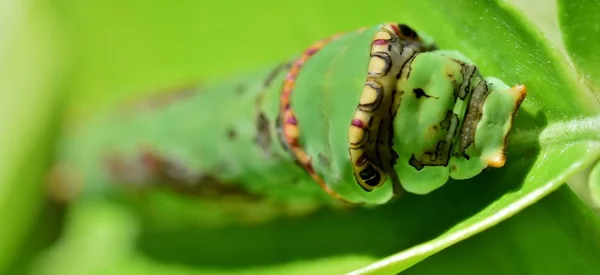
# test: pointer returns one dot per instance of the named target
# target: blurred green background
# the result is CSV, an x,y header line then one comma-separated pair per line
x,y
120,48
66,58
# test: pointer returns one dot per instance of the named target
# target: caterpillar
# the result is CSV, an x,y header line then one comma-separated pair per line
x,y
359,117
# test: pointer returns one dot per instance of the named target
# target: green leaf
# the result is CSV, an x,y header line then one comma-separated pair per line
x,y
542,236
580,25
594,186
28,118
555,136
579,22
111,235
532,241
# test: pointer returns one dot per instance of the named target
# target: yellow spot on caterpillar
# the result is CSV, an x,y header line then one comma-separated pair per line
x,y
382,35
369,95
356,135
362,116
376,65
292,131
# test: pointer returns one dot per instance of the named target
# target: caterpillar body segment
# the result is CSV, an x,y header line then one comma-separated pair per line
x,y
358,117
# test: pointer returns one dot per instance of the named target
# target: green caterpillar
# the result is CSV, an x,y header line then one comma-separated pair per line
x,y
358,117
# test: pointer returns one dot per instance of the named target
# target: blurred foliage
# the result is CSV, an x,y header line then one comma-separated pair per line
x,y
594,186
580,25
73,57
29,103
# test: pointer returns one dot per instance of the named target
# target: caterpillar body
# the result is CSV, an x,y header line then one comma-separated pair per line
x,y
358,117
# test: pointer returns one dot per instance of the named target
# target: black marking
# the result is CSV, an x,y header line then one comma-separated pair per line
x,y
407,31
415,163
440,155
393,36
280,134
360,143
409,60
389,48
263,135
392,113
394,159
361,160
468,86
370,175
401,47
410,66
400,94
387,61
271,76
323,160
467,72
420,93
466,89
231,134
377,152
457,86
471,118
371,107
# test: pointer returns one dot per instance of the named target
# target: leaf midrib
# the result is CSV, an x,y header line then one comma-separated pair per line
x,y
559,133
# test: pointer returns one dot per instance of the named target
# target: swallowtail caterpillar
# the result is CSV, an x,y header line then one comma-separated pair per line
x,y
358,117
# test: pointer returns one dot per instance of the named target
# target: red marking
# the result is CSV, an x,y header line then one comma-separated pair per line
x,y
291,120
151,161
358,123
288,117
395,28
311,51
380,42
